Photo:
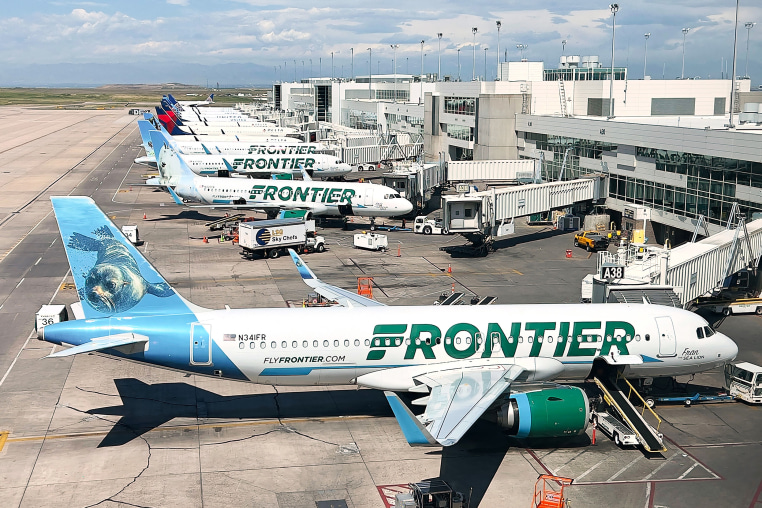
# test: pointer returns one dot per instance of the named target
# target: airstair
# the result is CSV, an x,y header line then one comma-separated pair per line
x,y
648,436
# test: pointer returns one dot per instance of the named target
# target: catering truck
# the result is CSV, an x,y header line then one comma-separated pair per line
x,y
271,238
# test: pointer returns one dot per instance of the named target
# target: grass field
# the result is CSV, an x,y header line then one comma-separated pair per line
x,y
119,96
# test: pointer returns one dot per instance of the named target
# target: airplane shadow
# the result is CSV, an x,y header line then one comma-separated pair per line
x,y
470,465
187,214
146,407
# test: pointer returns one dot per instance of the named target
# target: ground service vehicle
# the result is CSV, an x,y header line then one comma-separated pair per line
x,y
428,226
591,240
371,241
616,430
744,381
271,238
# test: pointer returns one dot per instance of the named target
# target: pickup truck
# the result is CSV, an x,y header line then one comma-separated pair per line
x,y
591,240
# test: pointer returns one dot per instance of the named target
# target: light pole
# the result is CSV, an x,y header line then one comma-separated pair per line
x,y
310,67
563,47
733,81
332,62
497,75
485,63
522,47
749,25
352,50
473,70
294,71
458,64
614,9
370,72
394,47
420,99
320,66
682,72
439,57
275,73
645,58
285,69
302,69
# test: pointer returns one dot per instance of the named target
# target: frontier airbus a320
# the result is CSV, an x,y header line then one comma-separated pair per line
x,y
466,361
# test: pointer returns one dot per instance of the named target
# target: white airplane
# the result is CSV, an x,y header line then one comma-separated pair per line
x,y
321,198
229,144
316,165
466,362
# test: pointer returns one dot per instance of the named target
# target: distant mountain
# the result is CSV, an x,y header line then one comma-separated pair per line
x,y
85,75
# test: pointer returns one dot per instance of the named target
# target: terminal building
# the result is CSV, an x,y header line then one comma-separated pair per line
x,y
662,145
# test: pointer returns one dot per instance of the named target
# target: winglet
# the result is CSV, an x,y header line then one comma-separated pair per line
x,y
175,197
304,270
305,176
206,150
415,432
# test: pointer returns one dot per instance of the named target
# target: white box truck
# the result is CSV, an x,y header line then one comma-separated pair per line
x,y
271,238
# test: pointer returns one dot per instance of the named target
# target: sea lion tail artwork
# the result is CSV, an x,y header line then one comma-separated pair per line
x,y
113,278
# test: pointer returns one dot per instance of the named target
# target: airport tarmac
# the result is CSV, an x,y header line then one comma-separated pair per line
x,y
94,431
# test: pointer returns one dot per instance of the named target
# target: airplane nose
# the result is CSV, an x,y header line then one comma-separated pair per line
x,y
407,207
729,349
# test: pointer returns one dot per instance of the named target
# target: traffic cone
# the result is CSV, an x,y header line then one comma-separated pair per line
x,y
205,240
449,268
399,251
144,216
453,288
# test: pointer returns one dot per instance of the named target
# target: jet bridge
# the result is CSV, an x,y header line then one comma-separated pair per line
x,y
482,217
692,269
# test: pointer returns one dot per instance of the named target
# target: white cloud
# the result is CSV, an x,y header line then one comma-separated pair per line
x,y
184,3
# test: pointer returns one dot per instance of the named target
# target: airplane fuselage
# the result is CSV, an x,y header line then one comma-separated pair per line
x,y
328,346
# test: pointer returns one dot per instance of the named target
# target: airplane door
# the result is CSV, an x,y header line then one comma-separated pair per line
x,y
200,344
667,344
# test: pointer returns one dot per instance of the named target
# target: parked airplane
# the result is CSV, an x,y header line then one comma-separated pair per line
x,y
321,198
316,165
189,104
159,126
466,361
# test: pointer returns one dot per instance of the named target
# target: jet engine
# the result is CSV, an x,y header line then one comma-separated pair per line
x,y
550,412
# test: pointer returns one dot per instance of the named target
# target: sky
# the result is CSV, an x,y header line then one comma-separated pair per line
x,y
248,42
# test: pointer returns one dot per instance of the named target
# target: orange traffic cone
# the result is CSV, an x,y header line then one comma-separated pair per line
x,y
144,216
399,251
449,268
205,240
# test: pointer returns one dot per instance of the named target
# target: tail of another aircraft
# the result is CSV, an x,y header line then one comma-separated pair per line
x,y
112,276
171,165
210,99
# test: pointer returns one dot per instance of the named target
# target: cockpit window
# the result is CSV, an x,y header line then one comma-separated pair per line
x,y
708,331
396,196
700,332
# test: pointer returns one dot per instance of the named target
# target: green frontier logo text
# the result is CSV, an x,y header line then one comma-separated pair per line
x,y
464,340
271,163
281,150
304,194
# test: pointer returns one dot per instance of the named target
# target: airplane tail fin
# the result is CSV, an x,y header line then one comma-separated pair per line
x,y
112,277
145,127
210,99
171,165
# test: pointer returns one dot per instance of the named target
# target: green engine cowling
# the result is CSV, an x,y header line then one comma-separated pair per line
x,y
552,412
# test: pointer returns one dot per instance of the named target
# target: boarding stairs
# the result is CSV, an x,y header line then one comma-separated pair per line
x,y
647,435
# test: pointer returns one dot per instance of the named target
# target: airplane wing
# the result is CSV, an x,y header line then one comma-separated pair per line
x,y
458,398
344,297
130,340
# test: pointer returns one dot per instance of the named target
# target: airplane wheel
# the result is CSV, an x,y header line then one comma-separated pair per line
x,y
275,254
427,230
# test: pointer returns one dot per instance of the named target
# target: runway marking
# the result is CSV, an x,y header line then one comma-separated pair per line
x,y
31,334
22,280
3,439
274,421
37,262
